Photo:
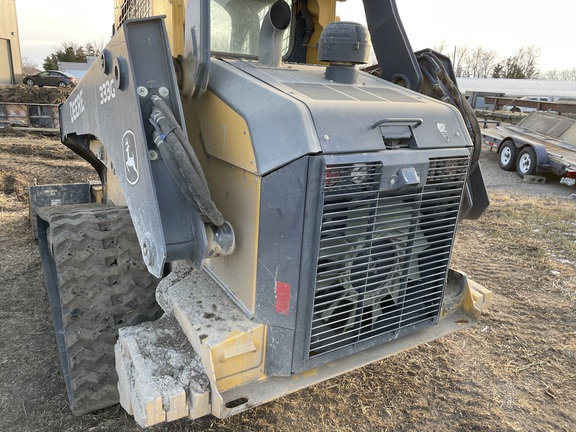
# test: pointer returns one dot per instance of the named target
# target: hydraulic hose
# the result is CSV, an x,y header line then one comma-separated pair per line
x,y
447,91
165,109
469,115
182,162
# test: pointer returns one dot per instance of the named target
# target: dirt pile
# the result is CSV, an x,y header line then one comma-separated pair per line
x,y
36,95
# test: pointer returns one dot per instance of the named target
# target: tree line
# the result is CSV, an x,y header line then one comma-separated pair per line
x,y
468,62
482,63
72,52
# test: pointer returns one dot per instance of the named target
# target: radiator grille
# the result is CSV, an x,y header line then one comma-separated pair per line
x,y
383,255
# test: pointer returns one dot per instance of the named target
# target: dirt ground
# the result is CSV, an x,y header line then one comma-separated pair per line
x,y
513,371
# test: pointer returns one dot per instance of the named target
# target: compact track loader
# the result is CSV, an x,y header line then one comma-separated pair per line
x,y
268,215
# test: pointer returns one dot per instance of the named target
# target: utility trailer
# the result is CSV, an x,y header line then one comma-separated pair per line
x,y
541,143
532,103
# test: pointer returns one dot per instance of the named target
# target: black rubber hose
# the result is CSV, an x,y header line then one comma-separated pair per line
x,y
190,181
448,91
468,114
174,170
165,109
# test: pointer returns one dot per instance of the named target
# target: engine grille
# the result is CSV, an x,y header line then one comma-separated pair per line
x,y
383,255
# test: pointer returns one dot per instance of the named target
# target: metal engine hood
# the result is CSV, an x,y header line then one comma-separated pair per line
x,y
346,116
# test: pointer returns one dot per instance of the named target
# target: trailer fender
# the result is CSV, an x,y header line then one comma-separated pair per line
x,y
542,160
517,144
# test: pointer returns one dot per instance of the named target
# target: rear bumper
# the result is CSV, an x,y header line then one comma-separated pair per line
x,y
463,314
152,397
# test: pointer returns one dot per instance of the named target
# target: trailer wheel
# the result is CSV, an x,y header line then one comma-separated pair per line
x,y
507,156
97,283
526,164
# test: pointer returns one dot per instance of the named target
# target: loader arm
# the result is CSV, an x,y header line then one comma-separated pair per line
x,y
396,59
114,119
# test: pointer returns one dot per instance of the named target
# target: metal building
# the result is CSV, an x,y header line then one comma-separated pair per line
x,y
10,57
478,88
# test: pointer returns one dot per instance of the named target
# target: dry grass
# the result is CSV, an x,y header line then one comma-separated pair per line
x,y
515,371
547,220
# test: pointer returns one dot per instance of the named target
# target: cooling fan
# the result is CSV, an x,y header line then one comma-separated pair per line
x,y
365,263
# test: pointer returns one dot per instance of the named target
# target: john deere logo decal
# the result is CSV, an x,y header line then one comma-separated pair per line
x,y
443,131
130,157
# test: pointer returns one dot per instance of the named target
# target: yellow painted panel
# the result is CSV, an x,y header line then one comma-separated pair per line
x,y
174,11
225,133
112,191
240,358
323,12
236,193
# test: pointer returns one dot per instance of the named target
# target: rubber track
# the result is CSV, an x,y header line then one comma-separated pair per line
x,y
103,286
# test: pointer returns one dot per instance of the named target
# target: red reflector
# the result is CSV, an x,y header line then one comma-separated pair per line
x,y
282,298
332,174
571,174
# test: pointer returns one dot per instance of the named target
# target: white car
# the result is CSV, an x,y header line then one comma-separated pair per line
x,y
522,109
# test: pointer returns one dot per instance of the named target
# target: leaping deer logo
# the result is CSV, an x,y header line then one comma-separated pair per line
x,y
130,158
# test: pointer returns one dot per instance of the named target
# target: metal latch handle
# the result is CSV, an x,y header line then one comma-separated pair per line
x,y
413,122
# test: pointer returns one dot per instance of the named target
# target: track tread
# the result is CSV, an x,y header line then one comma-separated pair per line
x,y
103,286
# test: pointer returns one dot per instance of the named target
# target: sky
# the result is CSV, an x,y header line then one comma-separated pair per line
x,y
502,26
45,24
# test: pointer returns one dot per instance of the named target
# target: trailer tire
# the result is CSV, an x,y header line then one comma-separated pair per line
x,y
526,163
507,156
99,284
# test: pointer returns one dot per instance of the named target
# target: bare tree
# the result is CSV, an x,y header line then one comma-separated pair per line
x,y
568,74
29,67
523,64
474,63
442,48
565,74
94,47
459,59
69,46
554,74
528,60
487,62
479,62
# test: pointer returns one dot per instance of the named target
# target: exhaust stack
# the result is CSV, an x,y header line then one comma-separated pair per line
x,y
275,22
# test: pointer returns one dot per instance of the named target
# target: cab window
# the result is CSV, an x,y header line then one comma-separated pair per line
x,y
235,26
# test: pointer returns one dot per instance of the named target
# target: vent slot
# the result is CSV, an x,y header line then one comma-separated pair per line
x,y
383,256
